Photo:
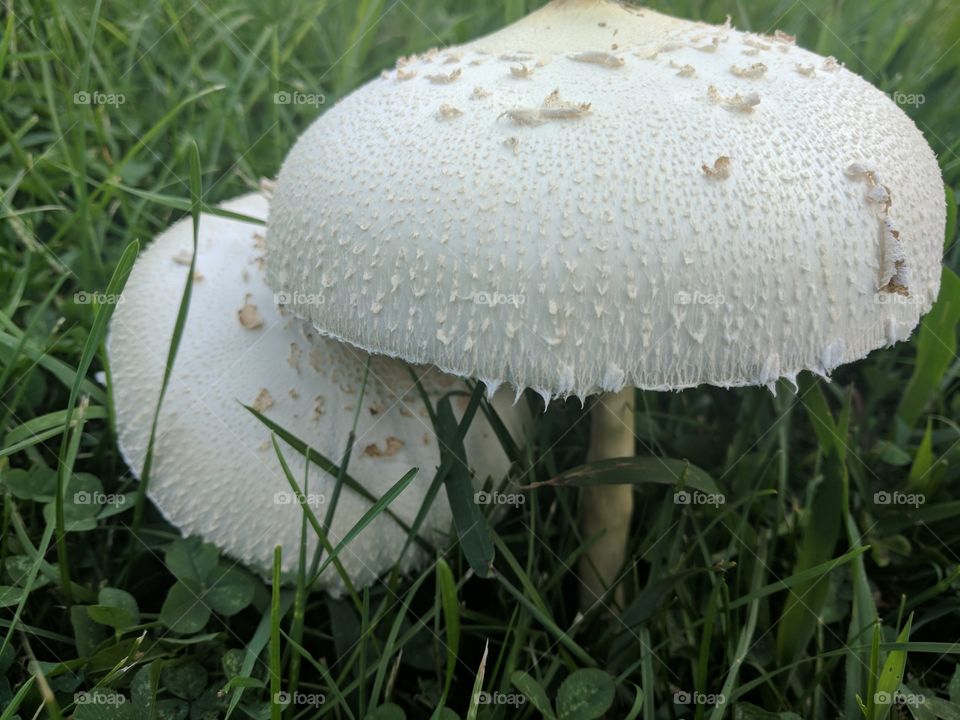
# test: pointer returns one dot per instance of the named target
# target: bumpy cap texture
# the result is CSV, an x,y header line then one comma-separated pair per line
x,y
601,196
215,472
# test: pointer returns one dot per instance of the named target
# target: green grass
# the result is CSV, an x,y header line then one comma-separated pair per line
x,y
799,595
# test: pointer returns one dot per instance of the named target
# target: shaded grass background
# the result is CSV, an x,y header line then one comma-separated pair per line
x,y
80,182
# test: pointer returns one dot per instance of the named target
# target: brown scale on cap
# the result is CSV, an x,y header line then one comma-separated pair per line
x,y
737,102
249,315
553,108
753,72
392,446
445,78
448,112
597,57
263,401
293,358
720,169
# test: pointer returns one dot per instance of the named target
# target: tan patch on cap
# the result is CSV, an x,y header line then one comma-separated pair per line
x,y
319,407
394,445
264,401
249,315
720,169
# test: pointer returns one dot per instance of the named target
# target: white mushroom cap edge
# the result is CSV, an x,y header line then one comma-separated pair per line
x,y
601,196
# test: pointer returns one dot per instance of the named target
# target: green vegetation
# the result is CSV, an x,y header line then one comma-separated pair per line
x,y
805,594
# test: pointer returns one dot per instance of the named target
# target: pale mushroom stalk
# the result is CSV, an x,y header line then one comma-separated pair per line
x,y
607,509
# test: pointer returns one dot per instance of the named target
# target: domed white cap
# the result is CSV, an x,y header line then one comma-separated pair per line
x,y
215,471
601,196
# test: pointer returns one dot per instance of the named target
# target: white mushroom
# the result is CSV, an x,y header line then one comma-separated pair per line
x,y
215,472
662,231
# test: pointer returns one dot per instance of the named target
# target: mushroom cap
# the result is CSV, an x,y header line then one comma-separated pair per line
x,y
600,196
215,472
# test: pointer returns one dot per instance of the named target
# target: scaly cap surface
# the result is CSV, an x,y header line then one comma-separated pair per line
x,y
600,196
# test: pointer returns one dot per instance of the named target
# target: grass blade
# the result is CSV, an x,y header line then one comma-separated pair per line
x,y
311,517
196,192
90,348
447,588
472,528
634,471
276,615
378,507
474,706
936,345
330,468
892,676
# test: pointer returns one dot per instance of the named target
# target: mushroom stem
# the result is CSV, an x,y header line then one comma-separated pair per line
x,y
607,508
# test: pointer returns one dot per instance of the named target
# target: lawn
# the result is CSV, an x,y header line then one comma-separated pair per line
x,y
827,579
